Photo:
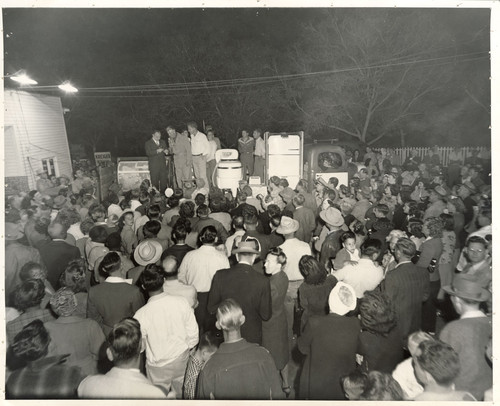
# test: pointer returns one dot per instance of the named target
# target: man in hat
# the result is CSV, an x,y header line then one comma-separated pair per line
x,y
363,203
331,245
180,146
287,194
147,252
294,249
437,204
326,363
251,289
470,334
156,149
16,256
43,183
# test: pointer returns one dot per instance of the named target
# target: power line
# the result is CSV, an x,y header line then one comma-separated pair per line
x,y
197,85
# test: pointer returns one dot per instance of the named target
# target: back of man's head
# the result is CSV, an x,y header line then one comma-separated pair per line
x,y
250,217
406,248
57,230
298,200
125,341
152,278
238,222
371,247
439,360
230,315
151,229
170,266
202,210
208,235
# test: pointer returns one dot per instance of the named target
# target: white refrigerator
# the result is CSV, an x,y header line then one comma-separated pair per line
x,y
284,156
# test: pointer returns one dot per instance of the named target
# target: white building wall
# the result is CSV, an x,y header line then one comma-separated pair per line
x,y
39,130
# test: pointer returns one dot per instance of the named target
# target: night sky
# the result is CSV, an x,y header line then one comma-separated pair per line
x,y
100,48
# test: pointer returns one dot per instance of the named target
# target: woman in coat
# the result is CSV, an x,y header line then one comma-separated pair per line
x,y
275,330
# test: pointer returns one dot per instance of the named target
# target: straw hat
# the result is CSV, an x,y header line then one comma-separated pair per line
x,y
332,216
287,225
148,252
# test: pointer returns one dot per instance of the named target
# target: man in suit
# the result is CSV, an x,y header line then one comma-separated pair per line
x,y
243,283
57,253
156,149
306,218
407,286
180,146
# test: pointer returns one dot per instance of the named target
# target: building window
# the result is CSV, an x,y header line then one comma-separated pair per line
x,y
50,166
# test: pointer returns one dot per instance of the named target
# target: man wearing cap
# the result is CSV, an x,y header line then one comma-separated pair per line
x,y
363,204
180,146
287,194
294,249
16,256
331,245
156,149
469,335
251,289
326,362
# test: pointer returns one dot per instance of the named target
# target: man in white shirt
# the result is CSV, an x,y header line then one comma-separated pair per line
x,y
365,275
169,331
294,249
124,380
172,286
200,148
259,155
198,269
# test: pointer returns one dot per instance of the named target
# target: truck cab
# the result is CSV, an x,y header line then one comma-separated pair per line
x,y
326,159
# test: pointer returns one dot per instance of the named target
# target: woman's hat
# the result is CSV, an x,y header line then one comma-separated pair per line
x,y
287,225
148,252
467,287
342,299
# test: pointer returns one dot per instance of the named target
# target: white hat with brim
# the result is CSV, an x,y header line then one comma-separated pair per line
x,y
148,252
332,216
246,247
467,287
287,225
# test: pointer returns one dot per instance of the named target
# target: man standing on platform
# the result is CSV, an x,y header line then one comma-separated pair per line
x,y
259,155
180,146
246,147
200,149
156,149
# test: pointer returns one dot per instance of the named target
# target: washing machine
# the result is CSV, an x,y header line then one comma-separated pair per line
x,y
228,171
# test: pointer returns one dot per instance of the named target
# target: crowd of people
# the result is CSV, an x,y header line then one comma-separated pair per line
x,y
383,285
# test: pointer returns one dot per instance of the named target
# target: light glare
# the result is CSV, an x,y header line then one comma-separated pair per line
x,y
67,87
24,79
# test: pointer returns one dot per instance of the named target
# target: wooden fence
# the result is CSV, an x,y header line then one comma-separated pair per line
x,y
444,152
